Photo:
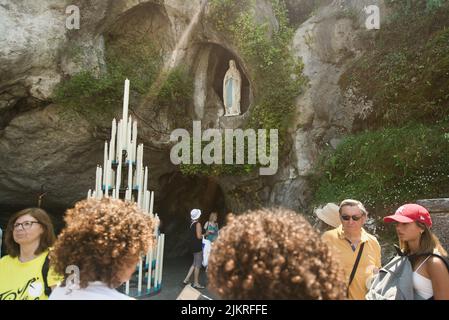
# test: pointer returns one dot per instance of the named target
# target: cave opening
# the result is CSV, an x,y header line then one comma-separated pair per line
x,y
180,194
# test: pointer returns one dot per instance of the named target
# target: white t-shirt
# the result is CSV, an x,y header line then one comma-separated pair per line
x,y
94,291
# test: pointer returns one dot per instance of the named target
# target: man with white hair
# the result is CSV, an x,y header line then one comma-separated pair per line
x,y
357,250
196,247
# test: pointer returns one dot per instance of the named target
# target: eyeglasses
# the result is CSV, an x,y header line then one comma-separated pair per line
x,y
25,225
355,218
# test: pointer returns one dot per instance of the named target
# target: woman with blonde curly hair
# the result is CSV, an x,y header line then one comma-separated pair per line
x,y
104,239
273,254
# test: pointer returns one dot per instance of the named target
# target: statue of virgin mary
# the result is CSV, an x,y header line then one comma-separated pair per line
x,y
231,90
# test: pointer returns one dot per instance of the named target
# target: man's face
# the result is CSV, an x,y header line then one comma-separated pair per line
x,y
352,218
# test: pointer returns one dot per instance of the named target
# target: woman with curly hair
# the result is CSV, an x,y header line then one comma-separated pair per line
x,y
25,272
273,254
104,239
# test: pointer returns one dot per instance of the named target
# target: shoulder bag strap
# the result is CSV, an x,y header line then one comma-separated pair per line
x,y
354,268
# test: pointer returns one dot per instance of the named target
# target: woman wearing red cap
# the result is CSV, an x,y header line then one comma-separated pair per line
x,y
430,273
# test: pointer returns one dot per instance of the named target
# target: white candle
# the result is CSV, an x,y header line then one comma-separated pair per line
x,y
125,105
128,136
97,187
145,180
105,162
119,141
100,191
130,176
111,176
134,145
147,201
161,259
150,266
141,156
106,180
89,194
140,192
156,269
139,166
124,133
127,288
96,179
118,181
139,284
113,139
151,202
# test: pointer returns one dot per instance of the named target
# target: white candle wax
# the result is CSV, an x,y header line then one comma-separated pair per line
x,y
127,288
113,139
161,259
119,141
106,180
89,194
139,164
147,203
96,179
156,268
130,176
128,136
126,103
100,191
151,202
105,162
150,266
118,181
134,139
139,284
145,180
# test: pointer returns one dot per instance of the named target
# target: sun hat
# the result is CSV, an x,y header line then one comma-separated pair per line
x,y
195,214
409,213
329,214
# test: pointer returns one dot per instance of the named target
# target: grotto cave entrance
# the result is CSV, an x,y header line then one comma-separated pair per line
x,y
180,194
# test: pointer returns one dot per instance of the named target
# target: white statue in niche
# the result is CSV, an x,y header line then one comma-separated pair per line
x,y
231,90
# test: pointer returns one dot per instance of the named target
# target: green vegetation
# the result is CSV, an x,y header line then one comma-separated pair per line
x,y
98,98
406,72
388,167
404,154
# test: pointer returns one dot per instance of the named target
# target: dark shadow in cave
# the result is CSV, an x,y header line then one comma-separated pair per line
x,y
180,194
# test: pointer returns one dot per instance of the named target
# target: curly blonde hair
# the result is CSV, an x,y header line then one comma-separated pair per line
x,y
273,254
100,238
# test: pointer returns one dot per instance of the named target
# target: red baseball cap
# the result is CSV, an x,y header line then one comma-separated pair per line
x,y
410,213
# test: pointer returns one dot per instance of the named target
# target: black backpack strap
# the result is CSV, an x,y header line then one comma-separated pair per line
x,y
354,268
45,269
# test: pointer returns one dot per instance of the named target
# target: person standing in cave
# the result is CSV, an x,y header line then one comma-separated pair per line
x,y
211,227
196,247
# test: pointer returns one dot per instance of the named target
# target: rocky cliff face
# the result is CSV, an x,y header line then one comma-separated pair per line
x,y
42,145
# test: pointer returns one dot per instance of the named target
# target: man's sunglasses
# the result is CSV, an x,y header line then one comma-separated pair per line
x,y
355,218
